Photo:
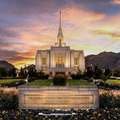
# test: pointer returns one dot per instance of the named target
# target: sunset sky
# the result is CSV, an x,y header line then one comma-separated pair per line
x,y
30,25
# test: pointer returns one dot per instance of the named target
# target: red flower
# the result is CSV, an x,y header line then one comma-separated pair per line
x,y
3,93
9,93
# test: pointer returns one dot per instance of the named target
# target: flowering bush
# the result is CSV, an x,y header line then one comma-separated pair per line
x,y
108,99
8,100
12,84
109,86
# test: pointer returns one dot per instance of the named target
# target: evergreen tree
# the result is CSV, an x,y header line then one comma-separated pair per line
x,y
13,71
3,72
116,73
21,72
89,72
108,73
9,72
97,72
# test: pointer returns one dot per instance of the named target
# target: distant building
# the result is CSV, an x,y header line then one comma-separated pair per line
x,y
60,58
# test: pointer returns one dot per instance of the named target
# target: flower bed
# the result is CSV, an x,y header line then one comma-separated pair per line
x,y
109,109
108,86
98,114
19,82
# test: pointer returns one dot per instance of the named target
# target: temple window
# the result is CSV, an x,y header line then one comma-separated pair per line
x,y
60,62
75,61
43,61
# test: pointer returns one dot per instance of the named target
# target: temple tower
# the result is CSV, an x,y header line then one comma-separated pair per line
x,y
60,42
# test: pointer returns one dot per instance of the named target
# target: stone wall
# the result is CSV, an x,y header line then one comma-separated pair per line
x,y
62,97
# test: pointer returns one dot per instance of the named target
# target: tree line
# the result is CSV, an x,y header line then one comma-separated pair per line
x,y
90,72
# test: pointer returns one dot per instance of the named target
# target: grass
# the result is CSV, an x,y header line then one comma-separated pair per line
x,y
48,81
78,82
8,80
114,81
45,82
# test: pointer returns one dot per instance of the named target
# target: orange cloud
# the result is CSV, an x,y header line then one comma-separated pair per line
x,y
116,2
78,16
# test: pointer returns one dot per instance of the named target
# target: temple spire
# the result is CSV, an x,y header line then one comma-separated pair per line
x,y
60,20
60,28
60,42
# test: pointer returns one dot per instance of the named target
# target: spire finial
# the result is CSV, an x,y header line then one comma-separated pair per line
x,y
60,20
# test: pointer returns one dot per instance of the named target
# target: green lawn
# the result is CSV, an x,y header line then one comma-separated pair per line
x,y
112,81
8,80
47,82
41,82
78,82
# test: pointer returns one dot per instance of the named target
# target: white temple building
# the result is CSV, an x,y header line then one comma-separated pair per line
x,y
60,58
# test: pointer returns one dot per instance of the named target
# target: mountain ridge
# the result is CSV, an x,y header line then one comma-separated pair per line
x,y
6,64
104,60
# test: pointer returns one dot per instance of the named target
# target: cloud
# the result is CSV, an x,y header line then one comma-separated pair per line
x,y
77,15
106,33
4,32
30,25
116,2
13,56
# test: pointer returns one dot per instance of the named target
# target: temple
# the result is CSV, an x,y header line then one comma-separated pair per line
x,y
60,58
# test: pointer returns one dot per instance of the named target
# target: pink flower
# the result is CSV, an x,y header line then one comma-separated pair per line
x,y
9,93
111,91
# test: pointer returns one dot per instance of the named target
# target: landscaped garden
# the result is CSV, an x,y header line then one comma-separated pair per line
x,y
109,109
109,103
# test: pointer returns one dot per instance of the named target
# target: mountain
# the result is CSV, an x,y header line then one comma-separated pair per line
x,y
6,65
104,60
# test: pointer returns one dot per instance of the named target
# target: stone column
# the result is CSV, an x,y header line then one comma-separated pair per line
x,y
72,60
81,61
67,59
47,60
38,61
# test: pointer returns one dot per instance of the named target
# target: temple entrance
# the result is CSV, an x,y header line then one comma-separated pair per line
x,y
60,73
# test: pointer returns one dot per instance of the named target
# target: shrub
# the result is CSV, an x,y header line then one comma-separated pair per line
x,y
76,76
59,79
8,100
13,84
30,79
42,76
109,100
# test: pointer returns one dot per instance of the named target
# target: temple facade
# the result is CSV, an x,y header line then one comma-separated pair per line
x,y
60,58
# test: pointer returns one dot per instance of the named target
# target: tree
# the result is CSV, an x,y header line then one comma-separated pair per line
x,y
97,72
22,72
3,72
32,72
13,71
103,77
108,73
116,73
9,72
89,72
